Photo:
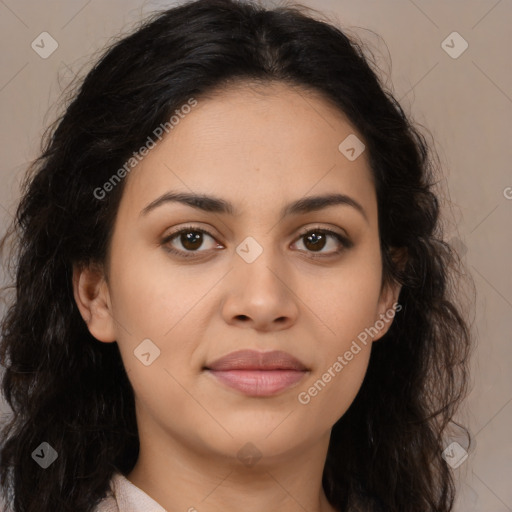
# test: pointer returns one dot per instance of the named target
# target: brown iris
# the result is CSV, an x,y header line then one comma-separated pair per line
x,y
192,240
317,241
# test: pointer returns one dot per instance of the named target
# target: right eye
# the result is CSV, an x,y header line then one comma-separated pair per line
x,y
191,238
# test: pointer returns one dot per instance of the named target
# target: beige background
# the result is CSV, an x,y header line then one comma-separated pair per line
x,y
465,102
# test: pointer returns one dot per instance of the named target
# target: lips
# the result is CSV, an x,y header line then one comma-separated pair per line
x,y
254,360
258,374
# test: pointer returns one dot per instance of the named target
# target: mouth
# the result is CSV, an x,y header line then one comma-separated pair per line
x,y
258,374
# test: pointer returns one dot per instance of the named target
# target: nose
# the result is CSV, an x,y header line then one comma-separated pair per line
x,y
260,296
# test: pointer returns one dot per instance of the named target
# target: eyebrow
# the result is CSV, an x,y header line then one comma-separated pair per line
x,y
217,205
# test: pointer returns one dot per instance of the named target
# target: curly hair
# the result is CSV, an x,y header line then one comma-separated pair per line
x,y
67,389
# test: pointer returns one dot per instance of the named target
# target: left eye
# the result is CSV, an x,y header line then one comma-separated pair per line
x,y
314,240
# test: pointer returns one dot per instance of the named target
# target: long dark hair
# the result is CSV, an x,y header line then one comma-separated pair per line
x,y
67,389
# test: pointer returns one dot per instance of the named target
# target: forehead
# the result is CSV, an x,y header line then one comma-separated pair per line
x,y
254,144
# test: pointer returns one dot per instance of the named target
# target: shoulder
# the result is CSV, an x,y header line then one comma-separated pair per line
x,y
124,496
109,503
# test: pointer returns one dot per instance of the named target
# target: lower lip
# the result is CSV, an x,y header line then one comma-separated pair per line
x,y
259,382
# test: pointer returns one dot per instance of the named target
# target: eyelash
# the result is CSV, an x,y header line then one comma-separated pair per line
x,y
345,242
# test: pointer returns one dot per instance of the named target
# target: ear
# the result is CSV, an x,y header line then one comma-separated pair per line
x,y
388,300
93,300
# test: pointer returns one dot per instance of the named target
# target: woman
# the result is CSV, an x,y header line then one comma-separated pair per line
x,y
232,287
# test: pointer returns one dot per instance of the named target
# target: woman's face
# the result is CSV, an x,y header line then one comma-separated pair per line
x,y
264,277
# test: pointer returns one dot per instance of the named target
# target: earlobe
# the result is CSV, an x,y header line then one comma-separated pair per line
x,y
388,301
93,301
388,306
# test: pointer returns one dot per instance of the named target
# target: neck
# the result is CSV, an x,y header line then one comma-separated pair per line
x,y
184,478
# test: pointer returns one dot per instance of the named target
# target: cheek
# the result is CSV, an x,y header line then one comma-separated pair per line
x,y
148,296
154,301
332,389
345,306
344,302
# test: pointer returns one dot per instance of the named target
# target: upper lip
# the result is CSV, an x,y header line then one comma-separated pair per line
x,y
255,360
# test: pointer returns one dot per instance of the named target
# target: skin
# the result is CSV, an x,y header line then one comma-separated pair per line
x,y
260,147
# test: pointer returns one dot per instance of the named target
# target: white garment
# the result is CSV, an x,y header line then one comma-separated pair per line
x,y
127,497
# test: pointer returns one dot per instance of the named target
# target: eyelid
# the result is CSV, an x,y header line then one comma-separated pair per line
x,y
344,236
185,254
343,239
